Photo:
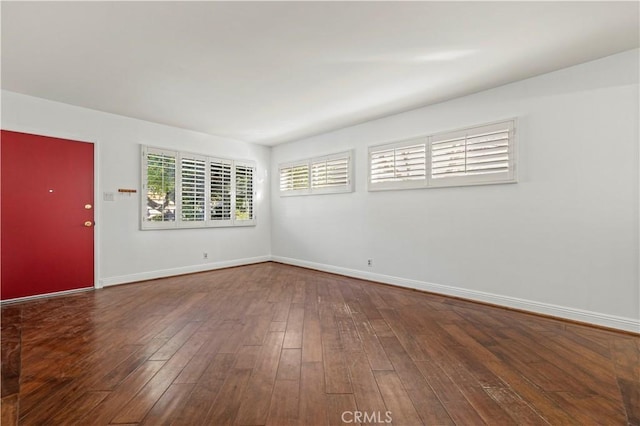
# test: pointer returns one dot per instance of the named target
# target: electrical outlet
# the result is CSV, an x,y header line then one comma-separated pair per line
x,y
205,255
370,262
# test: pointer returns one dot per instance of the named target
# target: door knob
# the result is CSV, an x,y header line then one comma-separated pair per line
x,y
88,223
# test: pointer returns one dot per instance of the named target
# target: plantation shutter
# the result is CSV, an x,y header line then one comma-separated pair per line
x,y
475,155
159,187
244,199
319,175
410,162
330,172
193,183
382,166
397,165
185,190
294,177
220,195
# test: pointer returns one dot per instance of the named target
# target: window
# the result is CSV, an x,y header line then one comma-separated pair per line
x,y
160,184
210,191
244,192
320,175
294,178
473,156
220,190
328,173
478,155
192,183
399,165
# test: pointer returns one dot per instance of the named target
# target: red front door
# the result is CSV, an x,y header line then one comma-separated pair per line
x,y
47,215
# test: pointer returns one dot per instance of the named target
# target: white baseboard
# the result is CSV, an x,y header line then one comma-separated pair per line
x,y
42,296
596,318
162,273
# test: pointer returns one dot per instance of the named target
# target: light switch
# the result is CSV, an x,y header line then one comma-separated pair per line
x,y
108,196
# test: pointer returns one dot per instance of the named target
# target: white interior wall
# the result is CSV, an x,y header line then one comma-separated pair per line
x,y
124,252
562,241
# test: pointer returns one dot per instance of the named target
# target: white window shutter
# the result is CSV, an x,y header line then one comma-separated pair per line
x,y
158,188
244,198
294,177
193,176
410,162
398,165
478,155
187,190
220,190
331,173
382,166
320,175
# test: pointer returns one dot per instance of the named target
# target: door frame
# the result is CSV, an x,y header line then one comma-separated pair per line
x,y
97,201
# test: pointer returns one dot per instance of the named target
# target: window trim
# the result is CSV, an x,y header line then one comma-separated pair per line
x,y
469,180
308,164
178,222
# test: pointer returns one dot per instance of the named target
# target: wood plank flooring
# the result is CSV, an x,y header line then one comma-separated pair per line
x,y
271,344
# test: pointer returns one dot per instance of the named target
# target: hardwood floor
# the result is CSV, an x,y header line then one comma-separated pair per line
x,y
271,344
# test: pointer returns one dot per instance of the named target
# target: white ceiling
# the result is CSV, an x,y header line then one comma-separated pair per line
x,y
271,72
